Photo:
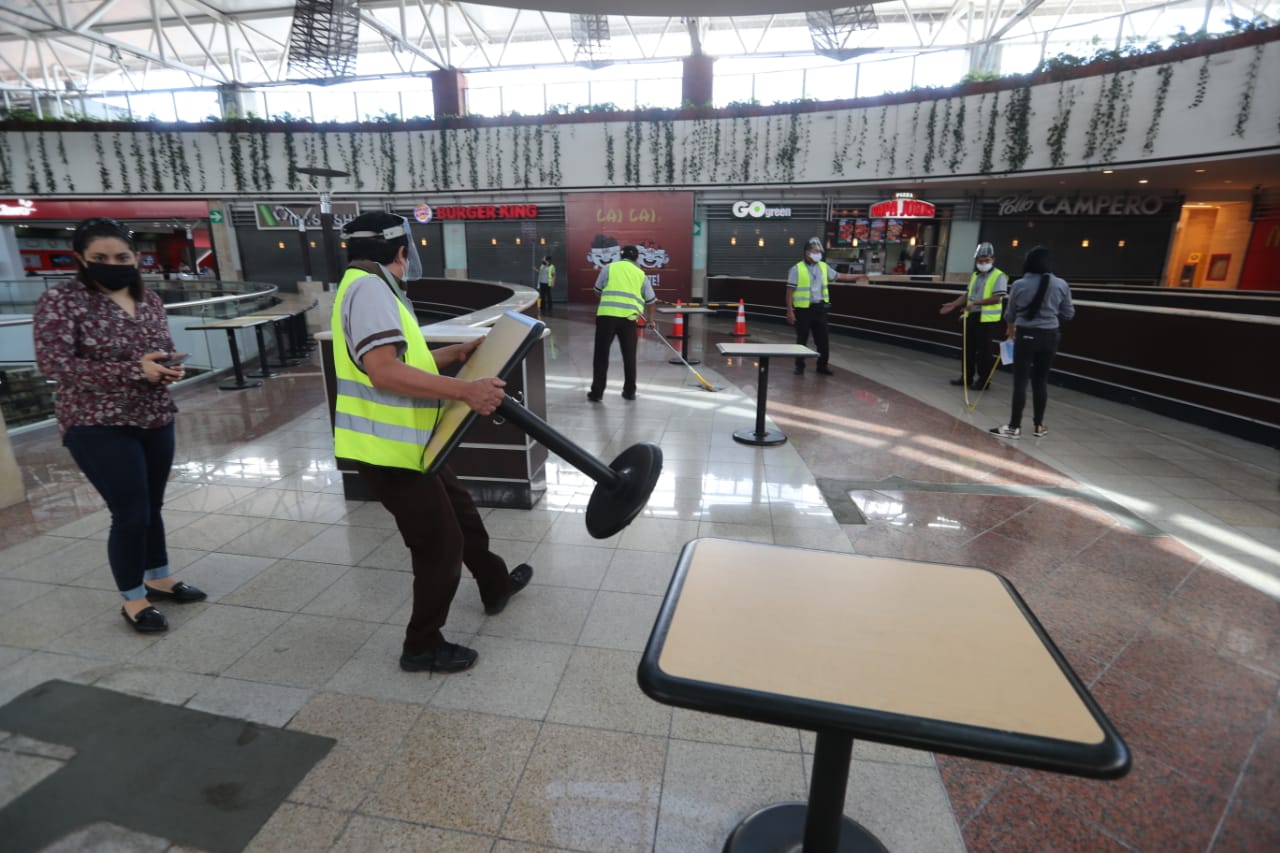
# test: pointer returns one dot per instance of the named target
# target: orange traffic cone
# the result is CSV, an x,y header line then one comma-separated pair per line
x,y
677,328
740,325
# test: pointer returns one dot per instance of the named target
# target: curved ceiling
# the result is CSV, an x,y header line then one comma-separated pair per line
x,y
140,45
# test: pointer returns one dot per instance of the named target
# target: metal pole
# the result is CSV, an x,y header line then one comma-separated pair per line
x,y
330,244
306,250
192,261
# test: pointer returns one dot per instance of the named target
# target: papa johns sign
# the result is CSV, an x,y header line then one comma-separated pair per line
x,y
1088,205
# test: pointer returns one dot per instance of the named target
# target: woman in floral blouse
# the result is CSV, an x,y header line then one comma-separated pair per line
x,y
104,338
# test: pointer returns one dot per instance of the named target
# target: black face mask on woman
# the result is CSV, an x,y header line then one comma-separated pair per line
x,y
113,276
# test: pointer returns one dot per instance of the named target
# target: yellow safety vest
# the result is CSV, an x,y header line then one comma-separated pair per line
x,y
800,299
551,275
623,294
371,425
988,313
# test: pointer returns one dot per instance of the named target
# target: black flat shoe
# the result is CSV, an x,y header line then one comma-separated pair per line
x,y
148,621
182,593
826,371
446,657
520,577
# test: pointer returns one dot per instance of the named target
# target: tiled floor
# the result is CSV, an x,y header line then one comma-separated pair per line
x,y
1169,611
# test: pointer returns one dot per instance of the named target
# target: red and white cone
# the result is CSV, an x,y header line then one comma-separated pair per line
x,y
677,327
740,325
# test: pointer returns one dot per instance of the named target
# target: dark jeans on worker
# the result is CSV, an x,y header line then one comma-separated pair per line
x,y
442,528
979,347
544,294
1033,352
608,328
813,319
129,466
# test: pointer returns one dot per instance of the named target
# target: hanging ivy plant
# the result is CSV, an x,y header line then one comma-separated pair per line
x,y
118,144
6,164
66,166
957,140
557,176
1017,145
264,149
157,176
1246,91
353,145
33,179
255,161
324,150
1057,135
204,183
766,161
882,148
44,162
669,143
862,140
790,150
893,146
1202,83
140,159
1162,91
655,152
291,160
930,128
747,149
237,161
1115,135
945,133
989,144
610,157
915,136
715,152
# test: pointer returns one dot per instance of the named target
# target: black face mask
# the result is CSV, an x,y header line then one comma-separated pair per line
x,y
113,276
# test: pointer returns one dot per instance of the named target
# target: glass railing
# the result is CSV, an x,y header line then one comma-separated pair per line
x,y
26,396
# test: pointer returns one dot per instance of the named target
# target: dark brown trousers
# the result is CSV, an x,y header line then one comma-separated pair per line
x,y
443,530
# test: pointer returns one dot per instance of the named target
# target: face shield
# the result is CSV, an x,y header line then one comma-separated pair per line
x,y
413,266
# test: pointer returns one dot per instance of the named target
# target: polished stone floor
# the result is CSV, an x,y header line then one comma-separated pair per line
x,y
1149,549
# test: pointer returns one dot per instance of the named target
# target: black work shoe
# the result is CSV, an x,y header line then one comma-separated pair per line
x,y
595,398
182,593
978,386
826,371
958,382
520,577
630,396
148,621
446,657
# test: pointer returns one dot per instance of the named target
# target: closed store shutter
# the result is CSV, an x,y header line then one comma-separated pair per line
x,y
509,250
762,248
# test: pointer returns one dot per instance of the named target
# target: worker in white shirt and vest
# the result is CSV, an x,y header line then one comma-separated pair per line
x,y
388,396
809,300
625,297
981,317
546,281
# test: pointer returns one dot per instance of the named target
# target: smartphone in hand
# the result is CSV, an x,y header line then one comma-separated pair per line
x,y
174,359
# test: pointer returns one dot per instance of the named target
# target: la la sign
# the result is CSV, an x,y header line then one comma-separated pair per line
x,y
903,208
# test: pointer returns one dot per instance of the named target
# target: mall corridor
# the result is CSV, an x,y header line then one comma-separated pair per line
x,y
1148,548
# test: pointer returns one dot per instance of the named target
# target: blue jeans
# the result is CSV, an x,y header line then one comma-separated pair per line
x,y
129,466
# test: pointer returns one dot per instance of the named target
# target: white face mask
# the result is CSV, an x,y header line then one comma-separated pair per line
x,y
814,257
984,267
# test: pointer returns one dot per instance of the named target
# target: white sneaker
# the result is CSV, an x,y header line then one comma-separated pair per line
x,y
1040,431
1007,431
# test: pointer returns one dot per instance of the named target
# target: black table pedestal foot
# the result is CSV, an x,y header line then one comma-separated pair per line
x,y
689,361
768,438
780,829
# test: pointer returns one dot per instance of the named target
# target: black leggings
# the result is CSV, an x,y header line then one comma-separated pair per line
x,y
1033,352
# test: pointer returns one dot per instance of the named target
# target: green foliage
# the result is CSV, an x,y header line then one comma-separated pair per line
x,y
979,76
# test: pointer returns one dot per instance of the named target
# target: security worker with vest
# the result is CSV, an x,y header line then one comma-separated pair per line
x,y
625,294
389,391
981,316
546,281
809,299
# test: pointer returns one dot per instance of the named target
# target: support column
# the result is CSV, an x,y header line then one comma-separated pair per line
x,y
448,86
696,85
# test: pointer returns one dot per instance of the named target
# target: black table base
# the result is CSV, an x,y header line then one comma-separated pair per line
x,y
760,437
818,826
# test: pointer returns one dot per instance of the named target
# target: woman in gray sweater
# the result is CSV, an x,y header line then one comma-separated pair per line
x,y
1038,303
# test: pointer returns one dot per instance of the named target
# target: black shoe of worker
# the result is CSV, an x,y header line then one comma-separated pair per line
x,y
520,577
958,382
630,396
595,398
446,657
826,371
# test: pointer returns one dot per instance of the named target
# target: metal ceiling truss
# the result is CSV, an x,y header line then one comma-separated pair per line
x,y
210,46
